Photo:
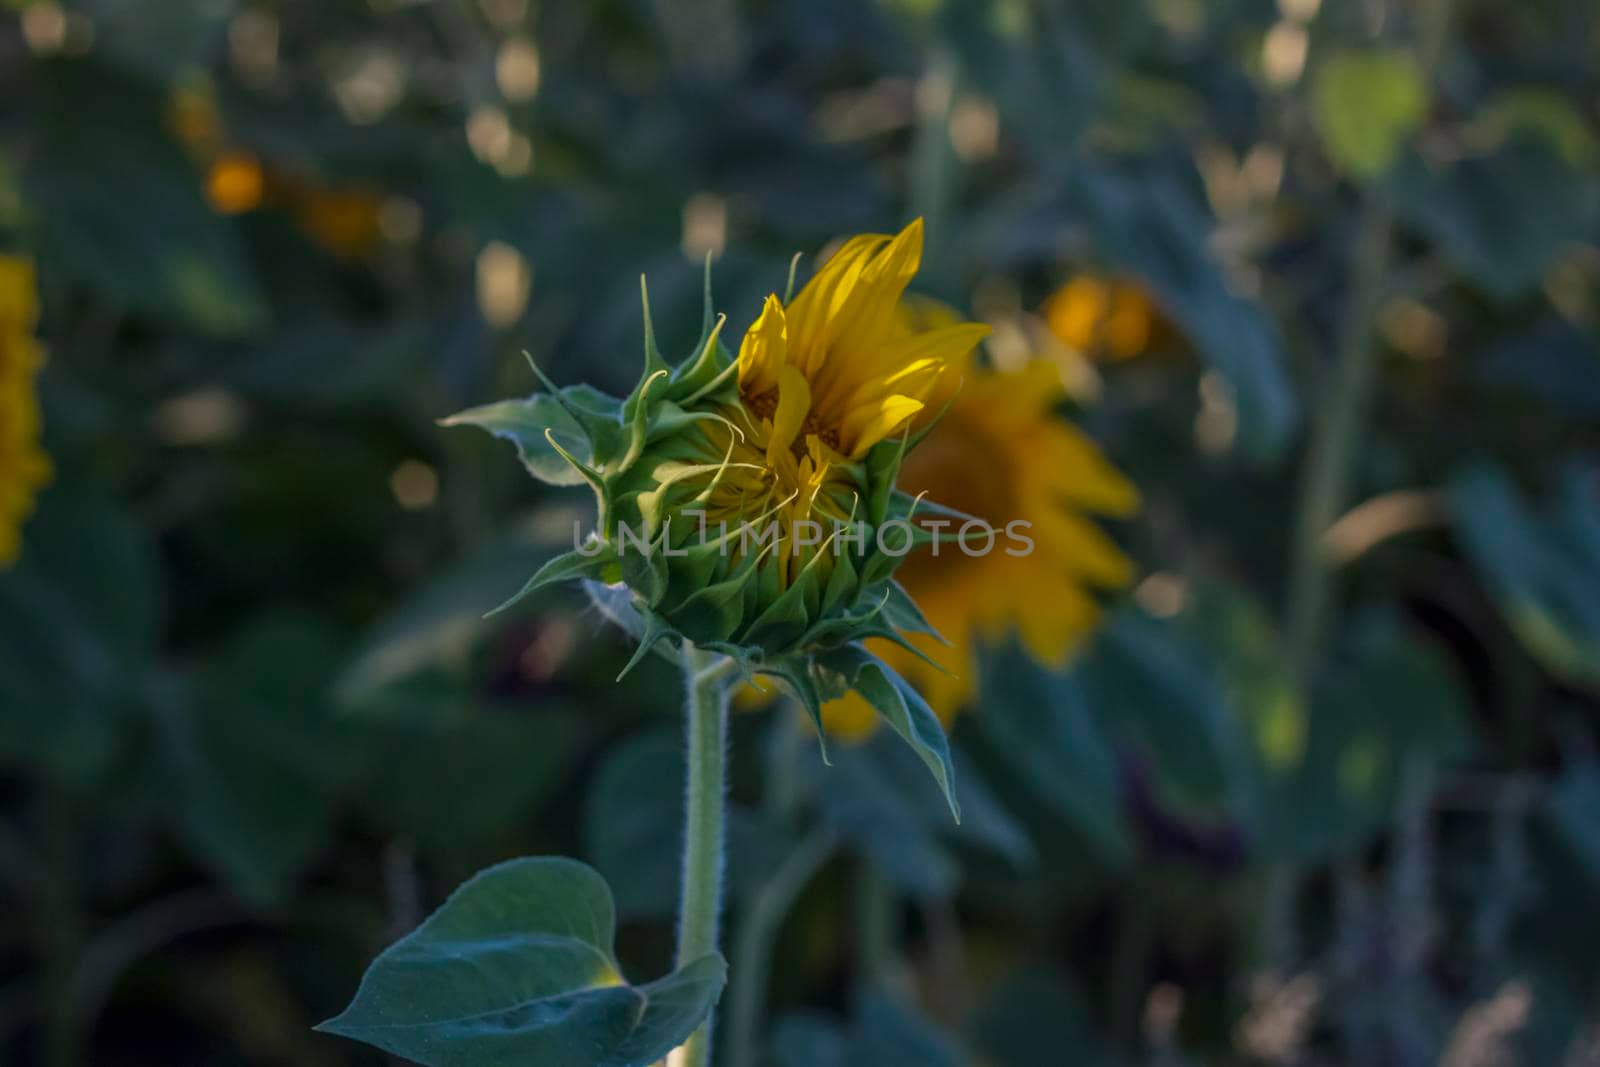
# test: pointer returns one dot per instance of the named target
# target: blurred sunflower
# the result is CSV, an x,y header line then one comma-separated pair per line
x,y
24,466
1001,453
342,218
1104,318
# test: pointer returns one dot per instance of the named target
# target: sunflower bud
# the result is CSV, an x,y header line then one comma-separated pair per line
x,y
747,503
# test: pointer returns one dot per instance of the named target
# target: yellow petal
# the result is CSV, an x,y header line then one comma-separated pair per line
x,y
794,402
1081,473
1080,546
824,296
764,350
866,426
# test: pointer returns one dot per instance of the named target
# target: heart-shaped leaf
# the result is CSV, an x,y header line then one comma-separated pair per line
x,y
516,967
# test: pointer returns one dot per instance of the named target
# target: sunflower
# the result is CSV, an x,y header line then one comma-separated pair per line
x,y
1106,318
821,380
1000,453
24,466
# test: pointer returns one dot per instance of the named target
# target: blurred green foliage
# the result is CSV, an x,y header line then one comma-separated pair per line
x,y
254,725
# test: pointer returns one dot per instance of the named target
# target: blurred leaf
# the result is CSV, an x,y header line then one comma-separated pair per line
x,y
1253,670
1148,225
1037,1016
1554,360
1150,682
456,775
152,245
160,39
517,967
1388,705
80,617
885,1032
1501,219
437,627
633,828
1573,806
1542,570
253,771
1043,727
869,809
1544,113
1366,104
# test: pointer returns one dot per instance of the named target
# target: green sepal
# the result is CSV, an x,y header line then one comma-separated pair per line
x,y
563,568
714,612
842,588
902,613
654,362
881,470
796,676
644,570
600,415
899,705
602,491
618,605
833,630
636,415
784,620
655,628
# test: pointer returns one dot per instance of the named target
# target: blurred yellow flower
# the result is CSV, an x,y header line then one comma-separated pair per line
x,y
1101,317
343,218
235,183
1001,453
24,466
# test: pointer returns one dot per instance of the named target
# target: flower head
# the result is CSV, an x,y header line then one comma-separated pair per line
x,y
24,466
745,503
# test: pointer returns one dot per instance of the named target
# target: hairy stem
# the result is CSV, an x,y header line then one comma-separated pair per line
x,y
700,903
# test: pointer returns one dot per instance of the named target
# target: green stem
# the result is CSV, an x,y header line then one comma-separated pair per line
x,y
700,908
1326,485
874,921
758,933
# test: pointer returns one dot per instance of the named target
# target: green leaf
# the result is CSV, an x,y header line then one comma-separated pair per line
x,y
1038,1016
885,1032
1366,104
80,615
251,774
902,707
1043,727
1543,570
1387,704
1500,219
1157,688
517,967
567,567
523,423
459,776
